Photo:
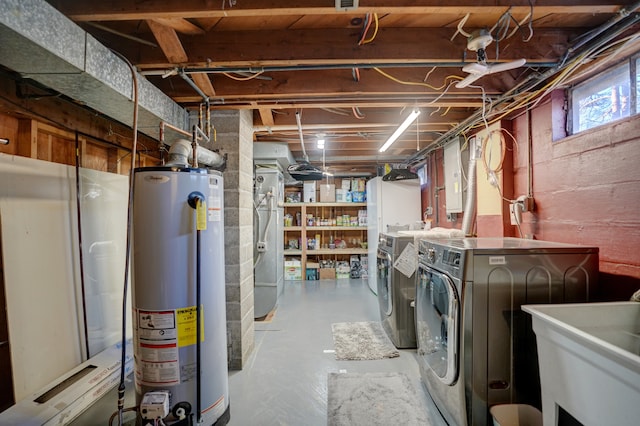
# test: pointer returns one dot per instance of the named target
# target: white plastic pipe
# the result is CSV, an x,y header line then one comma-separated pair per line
x,y
181,150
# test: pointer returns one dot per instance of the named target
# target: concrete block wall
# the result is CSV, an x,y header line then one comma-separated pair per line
x,y
235,139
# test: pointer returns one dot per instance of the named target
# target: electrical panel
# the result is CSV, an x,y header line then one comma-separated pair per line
x,y
453,181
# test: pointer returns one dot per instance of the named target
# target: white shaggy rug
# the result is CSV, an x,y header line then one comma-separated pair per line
x,y
355,399
362,341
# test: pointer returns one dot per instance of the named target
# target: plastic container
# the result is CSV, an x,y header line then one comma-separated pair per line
x,y
516,415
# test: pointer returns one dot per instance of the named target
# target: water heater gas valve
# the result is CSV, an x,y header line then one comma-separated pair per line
x,y
155,405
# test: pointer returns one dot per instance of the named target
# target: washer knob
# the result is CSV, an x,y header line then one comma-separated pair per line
x,y
431,255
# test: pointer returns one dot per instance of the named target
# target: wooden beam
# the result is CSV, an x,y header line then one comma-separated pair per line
x,y
169,42
180,25
266,116
28,138
203,81
336,89
127,10
175,53
340,46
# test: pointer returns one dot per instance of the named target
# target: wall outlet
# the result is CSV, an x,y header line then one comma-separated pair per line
x,y
261,246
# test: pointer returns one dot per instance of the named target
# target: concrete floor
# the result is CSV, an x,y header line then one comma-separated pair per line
x,y
285,379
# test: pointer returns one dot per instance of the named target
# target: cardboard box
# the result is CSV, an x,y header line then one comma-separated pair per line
x,y
309,192
346,185
327,273
327,193
292,273
343,270
341,196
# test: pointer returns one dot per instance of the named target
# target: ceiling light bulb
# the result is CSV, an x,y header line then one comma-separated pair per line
x,y
406,123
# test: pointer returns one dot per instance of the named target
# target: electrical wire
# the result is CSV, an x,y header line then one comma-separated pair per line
x,y
493,171
426,77
125,410
375,31
355,73
251,77
418,83
460,25
365,29
567,75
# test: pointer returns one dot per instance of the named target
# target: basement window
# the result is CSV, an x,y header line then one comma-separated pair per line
x,y
605,98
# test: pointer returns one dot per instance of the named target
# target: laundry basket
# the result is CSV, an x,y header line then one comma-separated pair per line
x,y
516,415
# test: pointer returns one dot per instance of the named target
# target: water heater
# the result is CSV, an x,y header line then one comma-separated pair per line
x,y
178,294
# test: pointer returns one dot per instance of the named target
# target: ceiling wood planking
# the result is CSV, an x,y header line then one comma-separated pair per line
x,y
207,24
337,85
128,10
390,117
328,21
256,23
317,47
340,46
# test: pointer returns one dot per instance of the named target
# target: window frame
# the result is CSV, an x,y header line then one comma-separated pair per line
x,y
633,64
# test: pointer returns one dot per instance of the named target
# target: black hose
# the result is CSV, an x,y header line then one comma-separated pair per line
x,y
81,257
194,200
198,331
123,358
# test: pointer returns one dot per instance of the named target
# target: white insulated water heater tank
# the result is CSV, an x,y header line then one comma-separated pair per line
x,y
172,254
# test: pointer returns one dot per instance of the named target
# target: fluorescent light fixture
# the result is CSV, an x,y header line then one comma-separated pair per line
x,y
406,123
320,144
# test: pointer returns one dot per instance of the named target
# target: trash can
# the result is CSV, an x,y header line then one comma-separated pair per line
x,y
516,415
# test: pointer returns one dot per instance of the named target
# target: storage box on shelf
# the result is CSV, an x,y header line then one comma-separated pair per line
x,y
336,231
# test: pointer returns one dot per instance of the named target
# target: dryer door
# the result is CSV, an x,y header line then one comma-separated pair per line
x,y
437,327
385,287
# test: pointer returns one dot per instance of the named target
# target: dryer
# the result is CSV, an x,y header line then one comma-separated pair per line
x,y
476,347
396,265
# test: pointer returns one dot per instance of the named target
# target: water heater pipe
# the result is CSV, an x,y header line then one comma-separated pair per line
x,y
181,151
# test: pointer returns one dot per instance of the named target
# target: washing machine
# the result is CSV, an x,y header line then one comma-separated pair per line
x,y
396,266
476,347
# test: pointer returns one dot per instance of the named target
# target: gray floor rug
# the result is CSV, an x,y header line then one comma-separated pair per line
x,y
362,341
355,399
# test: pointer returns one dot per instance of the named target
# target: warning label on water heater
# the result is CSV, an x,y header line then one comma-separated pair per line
x,y
214,201
156,348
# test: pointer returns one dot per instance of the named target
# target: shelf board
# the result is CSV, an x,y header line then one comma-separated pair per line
x,y
337,251
336,228
325,204
292,252
293,228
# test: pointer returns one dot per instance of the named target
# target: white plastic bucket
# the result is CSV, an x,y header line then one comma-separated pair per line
x,y
516,415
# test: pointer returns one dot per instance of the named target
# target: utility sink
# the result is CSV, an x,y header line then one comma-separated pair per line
x,y
589,356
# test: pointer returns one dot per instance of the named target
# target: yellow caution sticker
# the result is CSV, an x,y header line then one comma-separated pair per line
x,y
201,216
186,324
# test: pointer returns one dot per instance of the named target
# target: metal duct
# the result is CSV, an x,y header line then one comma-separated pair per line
x,y
180,154
472,191
42,44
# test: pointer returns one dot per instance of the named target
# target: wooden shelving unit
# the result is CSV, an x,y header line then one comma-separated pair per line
x,y
355,237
